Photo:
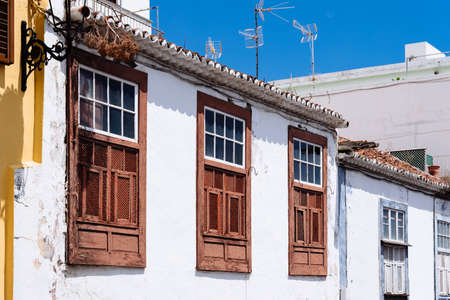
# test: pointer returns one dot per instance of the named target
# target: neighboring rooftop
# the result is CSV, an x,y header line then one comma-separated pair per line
x,y
192,63
365,155
422,60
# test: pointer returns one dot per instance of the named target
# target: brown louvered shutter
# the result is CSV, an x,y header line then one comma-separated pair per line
x,y
6,31
106,182
223,199
307,214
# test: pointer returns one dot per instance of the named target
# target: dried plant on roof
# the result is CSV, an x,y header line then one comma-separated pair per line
x,y
110,41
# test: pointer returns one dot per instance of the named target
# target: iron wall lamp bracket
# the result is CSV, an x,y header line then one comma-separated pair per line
x,y
35,53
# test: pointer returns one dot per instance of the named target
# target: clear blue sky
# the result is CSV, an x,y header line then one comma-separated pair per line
x,y
352,34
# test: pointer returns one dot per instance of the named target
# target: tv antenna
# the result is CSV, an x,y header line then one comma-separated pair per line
x,y
257,32
253,39
309,36
213,49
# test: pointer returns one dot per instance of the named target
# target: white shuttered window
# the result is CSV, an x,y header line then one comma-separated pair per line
x,y
443,236
394,270
444,274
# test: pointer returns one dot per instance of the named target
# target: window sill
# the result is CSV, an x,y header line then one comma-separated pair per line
x,y
398,243
225,236
396,295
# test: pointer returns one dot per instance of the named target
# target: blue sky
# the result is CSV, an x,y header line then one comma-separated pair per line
x,y
352,34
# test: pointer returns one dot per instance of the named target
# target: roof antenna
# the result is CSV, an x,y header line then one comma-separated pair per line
x,y
213,49
309,36
254,35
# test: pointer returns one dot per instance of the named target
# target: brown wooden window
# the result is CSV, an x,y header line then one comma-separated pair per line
x,y
6,31
107,132
307,203
223,186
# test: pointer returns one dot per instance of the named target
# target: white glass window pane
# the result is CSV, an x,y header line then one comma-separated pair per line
x,y
238,154
318,175
304,172
400,219
229,151
310,173
220,118
303,152
296,149
86,112
101,117
400,233
311,153
317,156
296,170
115,92
209,145
393,225
239,130
209,121
101,87
128,97
229,127
128,125
386,231
219,148
86,83
115,119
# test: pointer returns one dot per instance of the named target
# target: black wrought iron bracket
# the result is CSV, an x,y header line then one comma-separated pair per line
x,y
35,53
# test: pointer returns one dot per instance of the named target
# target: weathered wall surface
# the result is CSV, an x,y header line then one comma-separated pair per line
x,y
20,135
363,201
41,272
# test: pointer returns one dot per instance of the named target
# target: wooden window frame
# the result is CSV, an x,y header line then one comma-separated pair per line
x,y
108,105
108,257
228,242
303,266
9,59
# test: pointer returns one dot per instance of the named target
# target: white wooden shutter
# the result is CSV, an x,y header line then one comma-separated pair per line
x,y
388,278
446,271
395,270
400,270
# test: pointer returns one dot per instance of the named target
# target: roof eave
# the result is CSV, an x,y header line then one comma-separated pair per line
x,y
392,173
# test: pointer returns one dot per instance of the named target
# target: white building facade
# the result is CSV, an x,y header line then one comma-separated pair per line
x,y
176,180
184,179
391,242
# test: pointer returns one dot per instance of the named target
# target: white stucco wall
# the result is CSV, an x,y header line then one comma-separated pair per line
x,y
141,7
40,271
363,202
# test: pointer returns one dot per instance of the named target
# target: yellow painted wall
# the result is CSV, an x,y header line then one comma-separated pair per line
x,y
20,136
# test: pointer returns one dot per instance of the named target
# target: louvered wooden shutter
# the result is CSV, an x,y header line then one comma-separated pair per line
x,y
307,215
6,31
308,247
223,201
394,270
106,183
444,274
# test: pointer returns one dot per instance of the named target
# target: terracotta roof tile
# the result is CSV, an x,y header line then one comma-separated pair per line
x,y
368,155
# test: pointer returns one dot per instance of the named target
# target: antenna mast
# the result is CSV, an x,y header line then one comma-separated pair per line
x,y
309,36
257,36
